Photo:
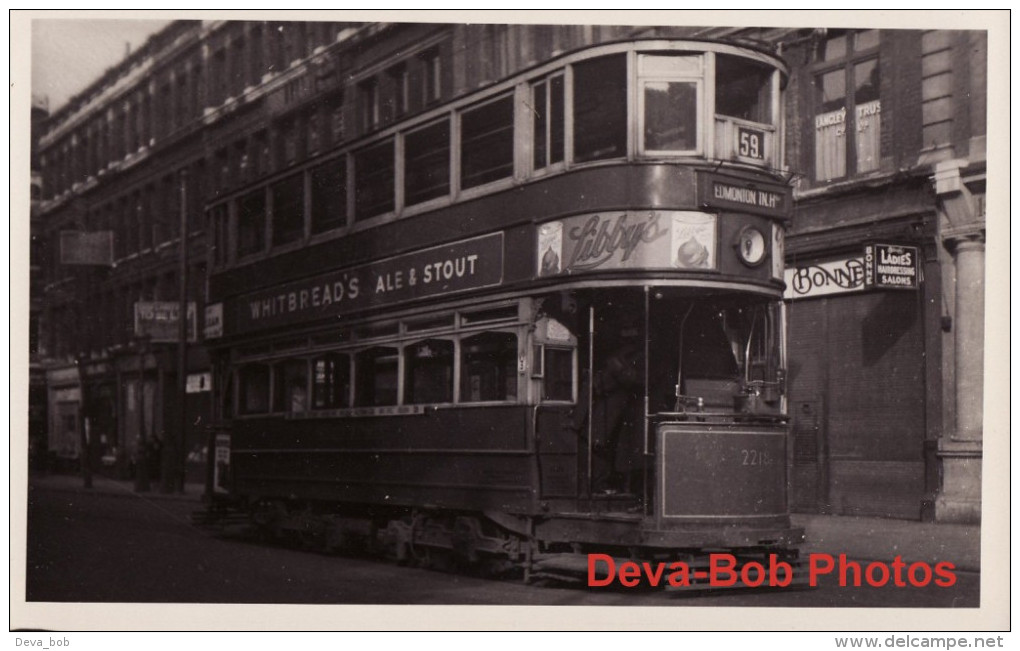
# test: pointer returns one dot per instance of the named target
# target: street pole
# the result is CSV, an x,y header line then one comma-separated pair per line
x,y
142,484
182,342
84,343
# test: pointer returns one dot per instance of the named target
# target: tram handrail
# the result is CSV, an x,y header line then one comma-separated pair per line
x,y
701,415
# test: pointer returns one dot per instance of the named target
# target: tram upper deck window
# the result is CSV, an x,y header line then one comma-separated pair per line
x,y
427,163
373,180
489,367
251,223
376,373
288,209
547,99
487,143
331,381
429,372
290,386
743,89
669,104
329,195
600,108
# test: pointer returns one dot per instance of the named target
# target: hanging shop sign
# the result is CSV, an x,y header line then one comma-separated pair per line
x,y
81,248
890,266
437,271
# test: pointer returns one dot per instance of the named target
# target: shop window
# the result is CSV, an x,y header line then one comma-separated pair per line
x,y
548,120
331,381
251,223
558,371
743,89
329,195
427,163
847,102
428,369
669,104
288,209
600,108
487,143
253,389
373,180
489,367
290,386
377,372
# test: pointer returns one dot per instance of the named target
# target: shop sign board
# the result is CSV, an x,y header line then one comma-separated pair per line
x,y
890,266
158,321
824,278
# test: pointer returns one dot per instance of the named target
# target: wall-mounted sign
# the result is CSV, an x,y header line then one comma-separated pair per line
x,y
158,320
213,321
440,270
648,239
824,278
731,193
198,382
80,248
890,266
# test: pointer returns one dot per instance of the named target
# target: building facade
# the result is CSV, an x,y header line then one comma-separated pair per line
x,y
886,136
225,130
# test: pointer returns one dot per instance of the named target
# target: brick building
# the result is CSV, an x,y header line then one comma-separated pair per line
x,y
882,382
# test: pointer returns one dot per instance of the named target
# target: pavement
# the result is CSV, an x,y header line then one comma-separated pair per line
x,y
860,538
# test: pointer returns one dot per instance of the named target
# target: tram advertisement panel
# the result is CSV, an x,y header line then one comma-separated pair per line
x,y
456,267
633,239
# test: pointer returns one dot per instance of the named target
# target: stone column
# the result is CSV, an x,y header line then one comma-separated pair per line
x,y
970,335
960,447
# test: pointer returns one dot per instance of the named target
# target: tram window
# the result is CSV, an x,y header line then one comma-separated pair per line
x,y
376,372
329,195
487,143
253,389
331,381
288,209
600,108
488,367
427,163
559,374
743,89
507,313
669,97
428,372
251,223
290,386
373,180
548,106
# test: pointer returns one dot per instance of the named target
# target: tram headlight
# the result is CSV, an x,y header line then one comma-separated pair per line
x,y
751,246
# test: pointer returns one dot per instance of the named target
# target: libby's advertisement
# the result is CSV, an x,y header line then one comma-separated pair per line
x,y
648,239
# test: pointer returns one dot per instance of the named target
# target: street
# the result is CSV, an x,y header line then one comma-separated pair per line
x,y
106,548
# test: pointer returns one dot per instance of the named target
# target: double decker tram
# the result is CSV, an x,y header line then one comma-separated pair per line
x,y
541,320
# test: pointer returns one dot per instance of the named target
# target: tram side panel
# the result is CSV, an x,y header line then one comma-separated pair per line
x,y
469,459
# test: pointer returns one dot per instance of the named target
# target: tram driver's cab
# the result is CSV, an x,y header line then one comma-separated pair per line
x,y
661,357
